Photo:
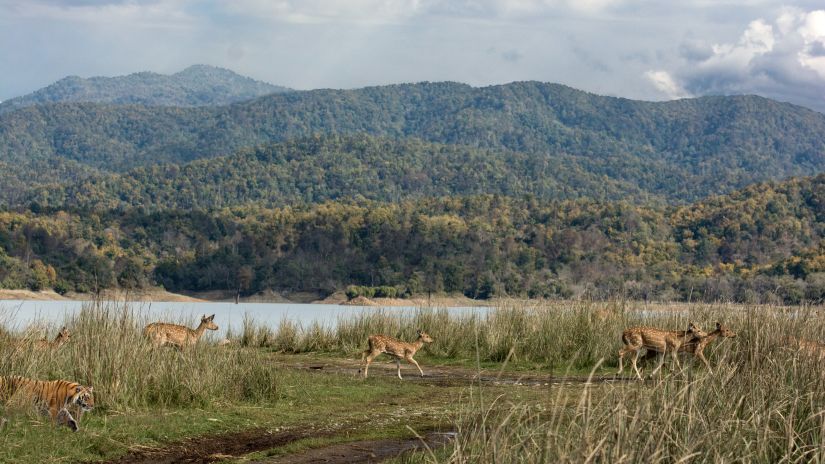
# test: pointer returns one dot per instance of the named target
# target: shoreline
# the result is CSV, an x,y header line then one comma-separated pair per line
x,y
217,296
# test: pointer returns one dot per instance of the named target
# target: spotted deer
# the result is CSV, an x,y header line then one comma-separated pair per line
x,y
61,338
396,348
164,333
809,348
657,340
696,346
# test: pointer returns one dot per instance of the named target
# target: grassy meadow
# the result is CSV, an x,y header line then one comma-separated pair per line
x,y
763,402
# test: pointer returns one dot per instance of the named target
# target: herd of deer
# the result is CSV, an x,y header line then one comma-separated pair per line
x,y
657,342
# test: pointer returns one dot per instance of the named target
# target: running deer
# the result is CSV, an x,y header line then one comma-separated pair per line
x,y
164,333
61,338
657,340
697,346
396,348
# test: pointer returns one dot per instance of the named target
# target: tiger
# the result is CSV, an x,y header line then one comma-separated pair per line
x,y
52,397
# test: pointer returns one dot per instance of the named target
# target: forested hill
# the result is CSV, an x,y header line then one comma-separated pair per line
x,y
763,243
333,167
680,150
197,85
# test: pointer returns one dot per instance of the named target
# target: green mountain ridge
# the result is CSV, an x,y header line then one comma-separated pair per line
x,y
197,85
680,150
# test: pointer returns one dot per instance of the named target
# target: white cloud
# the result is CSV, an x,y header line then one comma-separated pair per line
x,y
780,59
665,83
812,31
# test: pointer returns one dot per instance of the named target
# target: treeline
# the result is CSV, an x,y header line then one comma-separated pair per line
x,y
760,244
682,150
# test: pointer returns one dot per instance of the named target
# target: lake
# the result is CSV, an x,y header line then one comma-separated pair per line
x,y
16,315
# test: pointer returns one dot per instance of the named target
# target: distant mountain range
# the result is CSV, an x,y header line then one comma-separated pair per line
x,y
198,85
674,151
206,180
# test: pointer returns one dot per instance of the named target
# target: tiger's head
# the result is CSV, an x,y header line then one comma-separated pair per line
x,y
83,397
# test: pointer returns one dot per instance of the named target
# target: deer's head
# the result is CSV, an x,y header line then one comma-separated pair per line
x,y
63,336
694,330
424,337
207,321
724,331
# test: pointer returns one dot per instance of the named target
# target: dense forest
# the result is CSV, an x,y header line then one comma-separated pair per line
x,y
316,169
763,243
679,151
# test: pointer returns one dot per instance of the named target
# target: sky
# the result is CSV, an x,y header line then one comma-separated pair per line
x,y
640,49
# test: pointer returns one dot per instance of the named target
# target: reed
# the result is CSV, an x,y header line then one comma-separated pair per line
x,y
764,402
107,350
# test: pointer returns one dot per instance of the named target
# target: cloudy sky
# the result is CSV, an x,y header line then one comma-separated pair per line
x,y
644,49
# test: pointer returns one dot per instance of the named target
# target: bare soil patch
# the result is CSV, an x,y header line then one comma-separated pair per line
x,y
366,451
446,376
152,294
45,295
215,447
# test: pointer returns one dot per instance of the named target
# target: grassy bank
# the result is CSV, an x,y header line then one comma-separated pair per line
x,y
764,401
146,397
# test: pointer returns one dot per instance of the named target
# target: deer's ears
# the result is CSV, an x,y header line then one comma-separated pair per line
x,y
208,318
718,325
418,332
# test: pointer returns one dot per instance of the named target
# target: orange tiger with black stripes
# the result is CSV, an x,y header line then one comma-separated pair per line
x,y
51,397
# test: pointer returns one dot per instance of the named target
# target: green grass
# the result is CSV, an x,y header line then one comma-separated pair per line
x,y
305,398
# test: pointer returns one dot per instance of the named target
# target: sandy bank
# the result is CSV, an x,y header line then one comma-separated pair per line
x,y
154,294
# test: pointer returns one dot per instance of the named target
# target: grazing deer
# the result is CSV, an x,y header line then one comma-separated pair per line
x,y
164,333
657,340
697,346
396,348
61,338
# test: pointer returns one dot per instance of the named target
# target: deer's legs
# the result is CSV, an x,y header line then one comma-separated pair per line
x,y
398,365
635,365
621,359
675,355
368,361
701,356
661,363
413,361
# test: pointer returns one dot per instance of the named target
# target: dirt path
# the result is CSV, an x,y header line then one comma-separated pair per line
x,y
214,448
366,451
447,376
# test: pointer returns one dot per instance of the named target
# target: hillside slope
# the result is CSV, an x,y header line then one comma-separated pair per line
x,y
198,85
680,150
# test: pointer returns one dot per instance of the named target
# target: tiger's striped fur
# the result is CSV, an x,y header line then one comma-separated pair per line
x,y
52,397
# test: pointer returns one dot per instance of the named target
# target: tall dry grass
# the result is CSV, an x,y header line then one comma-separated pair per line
x,y
107,350
565,334
764,402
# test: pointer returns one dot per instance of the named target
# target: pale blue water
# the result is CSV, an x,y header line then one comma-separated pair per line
x,y
16,315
